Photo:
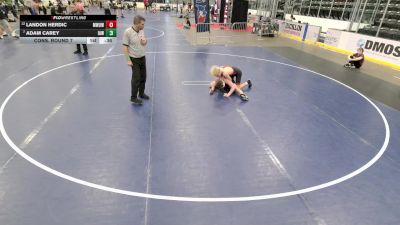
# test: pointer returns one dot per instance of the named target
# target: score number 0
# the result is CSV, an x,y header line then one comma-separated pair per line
x,y
111,24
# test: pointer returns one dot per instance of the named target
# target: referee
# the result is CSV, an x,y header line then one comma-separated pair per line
x,y
134,43
79,9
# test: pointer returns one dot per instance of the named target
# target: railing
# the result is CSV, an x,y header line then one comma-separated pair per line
x,y
228,33
207,33
223,33
241,30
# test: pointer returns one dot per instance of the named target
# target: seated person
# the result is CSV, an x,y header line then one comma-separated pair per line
x,y
153,8
356,60
187,23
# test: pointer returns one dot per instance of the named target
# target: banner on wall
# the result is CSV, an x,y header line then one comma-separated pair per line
x,y
300,30
378,48
295,29
332,37
201,10
281,24
313,33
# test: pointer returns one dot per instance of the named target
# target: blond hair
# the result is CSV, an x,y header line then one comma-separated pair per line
x,y
215,71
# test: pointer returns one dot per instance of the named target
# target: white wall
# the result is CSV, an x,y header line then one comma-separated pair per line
x,y
377,48
252,11
259,12
325,23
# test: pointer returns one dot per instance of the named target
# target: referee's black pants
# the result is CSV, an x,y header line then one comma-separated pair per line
x,y
138,82
78,47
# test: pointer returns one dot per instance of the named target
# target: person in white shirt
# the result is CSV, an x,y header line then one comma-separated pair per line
x,y
134,43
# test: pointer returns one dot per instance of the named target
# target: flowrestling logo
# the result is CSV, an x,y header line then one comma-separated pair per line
x,y
382,47
68,17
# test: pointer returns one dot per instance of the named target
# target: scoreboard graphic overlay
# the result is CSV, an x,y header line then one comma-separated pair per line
x,y
64,29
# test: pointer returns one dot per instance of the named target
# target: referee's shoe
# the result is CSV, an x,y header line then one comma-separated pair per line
x,y
136,101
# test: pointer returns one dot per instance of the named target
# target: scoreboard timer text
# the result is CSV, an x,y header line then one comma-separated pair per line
x,y
84,29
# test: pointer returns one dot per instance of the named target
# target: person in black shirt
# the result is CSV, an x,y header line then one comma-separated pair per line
x,y
187,23
356,60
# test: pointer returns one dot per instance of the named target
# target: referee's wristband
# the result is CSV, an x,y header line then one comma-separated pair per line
x,y
128,57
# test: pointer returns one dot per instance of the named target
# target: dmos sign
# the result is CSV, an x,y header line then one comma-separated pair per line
x,y
378,48
382,47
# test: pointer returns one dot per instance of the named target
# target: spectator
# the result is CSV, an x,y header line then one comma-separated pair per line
x,y
60,7
35,7
356,60
183,6
10,7
4,25
187,23
146,5
107,7
120,9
